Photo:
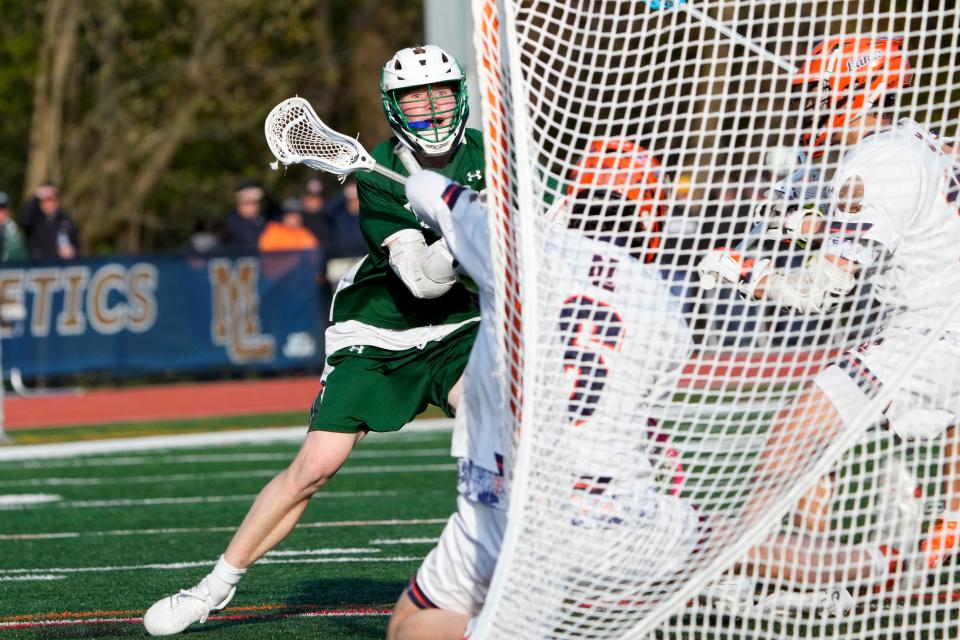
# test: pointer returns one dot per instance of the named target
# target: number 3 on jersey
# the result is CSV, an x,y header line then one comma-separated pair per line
x,y
589,328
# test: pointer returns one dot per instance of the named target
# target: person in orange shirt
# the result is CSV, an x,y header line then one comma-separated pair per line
x,y
288,233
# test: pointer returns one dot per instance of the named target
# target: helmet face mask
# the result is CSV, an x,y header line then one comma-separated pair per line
x,y
843,80
424,95
430,112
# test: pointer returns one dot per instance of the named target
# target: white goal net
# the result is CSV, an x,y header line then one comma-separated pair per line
x,y
772,457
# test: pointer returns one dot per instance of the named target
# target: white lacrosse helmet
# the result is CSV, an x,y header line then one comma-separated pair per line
x,y
440,128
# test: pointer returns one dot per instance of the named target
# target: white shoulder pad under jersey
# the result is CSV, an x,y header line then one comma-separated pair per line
x,y
889,212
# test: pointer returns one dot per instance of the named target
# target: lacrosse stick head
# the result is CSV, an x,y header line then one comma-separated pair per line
x,y
297,136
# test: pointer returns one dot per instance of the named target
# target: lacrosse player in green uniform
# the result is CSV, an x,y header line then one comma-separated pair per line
x,y
402,325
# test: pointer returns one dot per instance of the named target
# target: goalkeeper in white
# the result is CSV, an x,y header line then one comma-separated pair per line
x,y
616,313
889,223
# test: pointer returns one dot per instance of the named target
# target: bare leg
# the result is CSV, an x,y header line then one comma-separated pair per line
x,y
408,622
811,562
280,504
806,426
453,396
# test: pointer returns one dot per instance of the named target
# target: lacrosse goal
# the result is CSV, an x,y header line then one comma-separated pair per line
x,y
849,509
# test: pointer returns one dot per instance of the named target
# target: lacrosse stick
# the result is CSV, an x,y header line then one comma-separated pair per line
x,y
733,34
800,187
742,40
407,158
297,136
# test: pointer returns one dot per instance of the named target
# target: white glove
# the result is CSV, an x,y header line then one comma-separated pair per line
x,y
424,192
722,264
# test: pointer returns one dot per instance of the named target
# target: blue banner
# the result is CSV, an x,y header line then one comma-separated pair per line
x,y
164,313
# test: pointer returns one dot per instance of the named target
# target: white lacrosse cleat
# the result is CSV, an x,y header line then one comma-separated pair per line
x,y
833,603
729,594
177,612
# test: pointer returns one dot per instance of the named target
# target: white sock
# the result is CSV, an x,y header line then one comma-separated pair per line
x,y
223,578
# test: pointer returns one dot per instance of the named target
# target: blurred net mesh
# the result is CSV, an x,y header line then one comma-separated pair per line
x,y
295,133
692,480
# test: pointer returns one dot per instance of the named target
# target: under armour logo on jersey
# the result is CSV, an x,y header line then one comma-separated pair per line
x,y
474,175
358,349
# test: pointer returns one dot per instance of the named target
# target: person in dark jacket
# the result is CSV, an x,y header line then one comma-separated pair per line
x,y
246,222
51,232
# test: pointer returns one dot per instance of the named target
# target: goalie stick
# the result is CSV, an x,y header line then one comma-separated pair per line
x,y
296,135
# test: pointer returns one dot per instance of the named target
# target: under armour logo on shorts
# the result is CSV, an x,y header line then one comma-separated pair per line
x,y
474,175
356,349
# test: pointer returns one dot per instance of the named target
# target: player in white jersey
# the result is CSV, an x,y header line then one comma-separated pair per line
x,y
889,223
624,342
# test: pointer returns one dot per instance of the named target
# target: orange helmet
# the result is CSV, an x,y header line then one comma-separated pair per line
x,y
844,79
631,173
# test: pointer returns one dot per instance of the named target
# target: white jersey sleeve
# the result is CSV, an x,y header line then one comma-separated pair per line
x,y
889,213
458,214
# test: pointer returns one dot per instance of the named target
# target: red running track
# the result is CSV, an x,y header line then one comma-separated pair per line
x,y
166,402
219,399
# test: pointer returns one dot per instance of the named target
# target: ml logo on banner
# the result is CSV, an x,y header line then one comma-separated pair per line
x,y
236,311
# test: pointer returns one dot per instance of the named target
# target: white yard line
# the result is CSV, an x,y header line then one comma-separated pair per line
x,y
190,530
363,452
32,577
26,499
203,563
217,438
205,477
389,541
150,502
294,553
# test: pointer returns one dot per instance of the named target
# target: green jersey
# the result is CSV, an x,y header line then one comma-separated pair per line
x,y
372,293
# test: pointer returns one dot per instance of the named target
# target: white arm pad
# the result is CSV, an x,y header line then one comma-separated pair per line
x,y
426,270
815,288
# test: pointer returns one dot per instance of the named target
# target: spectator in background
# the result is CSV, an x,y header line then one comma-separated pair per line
x,y
314,217
12,248
346,241
288,233
51,232
246,222
285,234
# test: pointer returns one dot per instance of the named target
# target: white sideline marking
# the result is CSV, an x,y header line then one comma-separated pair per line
x,y
205,563
293,553
141,502
181,530
188,440
389,541
363,452
216,475
19,500
30,577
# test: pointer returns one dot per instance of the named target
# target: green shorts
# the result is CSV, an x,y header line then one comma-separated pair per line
x,y
382,390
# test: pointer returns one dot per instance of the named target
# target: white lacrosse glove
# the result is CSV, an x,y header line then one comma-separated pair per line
x,y
725,265
424,192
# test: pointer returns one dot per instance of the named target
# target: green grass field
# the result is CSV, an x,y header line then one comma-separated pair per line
x,y
127,529
122,530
